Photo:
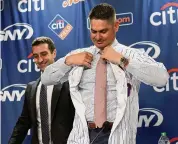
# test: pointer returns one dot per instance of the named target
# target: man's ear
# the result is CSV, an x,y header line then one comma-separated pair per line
x,y
116,25
54,53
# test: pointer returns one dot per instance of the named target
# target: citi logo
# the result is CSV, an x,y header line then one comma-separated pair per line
x,y
150,48
28,65
16,31
172,84
59,24
12,92
150,117
168,15
60,27
29,5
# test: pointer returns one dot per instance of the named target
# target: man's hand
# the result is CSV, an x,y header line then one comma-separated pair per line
x,y
111,55
80,59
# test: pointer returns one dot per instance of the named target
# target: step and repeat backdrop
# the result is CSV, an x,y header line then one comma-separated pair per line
x,y
151,25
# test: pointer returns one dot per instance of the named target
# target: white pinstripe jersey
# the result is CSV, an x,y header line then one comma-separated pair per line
x,y
141,68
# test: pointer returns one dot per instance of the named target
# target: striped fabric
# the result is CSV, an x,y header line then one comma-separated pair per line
x,y
124,131
87,86
126,123
141,68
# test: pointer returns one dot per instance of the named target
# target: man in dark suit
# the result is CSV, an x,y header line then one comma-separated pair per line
x,y
48,110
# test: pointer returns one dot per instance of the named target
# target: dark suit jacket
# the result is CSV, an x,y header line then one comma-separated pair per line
x,y
62,115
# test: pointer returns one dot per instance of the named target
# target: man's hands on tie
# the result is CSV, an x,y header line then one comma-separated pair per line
x,y
80,59
111,55
85,58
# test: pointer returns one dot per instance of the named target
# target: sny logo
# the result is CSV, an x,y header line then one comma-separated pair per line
x,y
169,13
151,48
12,92
149,117
27,5
16,32
60,26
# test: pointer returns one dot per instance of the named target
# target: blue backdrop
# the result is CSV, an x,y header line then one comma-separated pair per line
x,y
144,24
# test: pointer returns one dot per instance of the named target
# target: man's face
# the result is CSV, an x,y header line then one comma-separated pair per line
x,y
103,32
43,56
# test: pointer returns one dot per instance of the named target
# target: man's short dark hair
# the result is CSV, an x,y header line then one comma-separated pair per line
x,y
44,40
103,11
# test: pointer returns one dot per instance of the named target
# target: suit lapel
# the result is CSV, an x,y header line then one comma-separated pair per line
x,y
33,98
55,97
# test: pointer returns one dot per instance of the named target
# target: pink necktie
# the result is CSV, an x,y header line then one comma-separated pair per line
x,y
100,93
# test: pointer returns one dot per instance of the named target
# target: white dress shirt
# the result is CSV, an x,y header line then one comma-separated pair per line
x,y
87,87
49,97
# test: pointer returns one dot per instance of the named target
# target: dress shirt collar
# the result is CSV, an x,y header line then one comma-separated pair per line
x,y
97,50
